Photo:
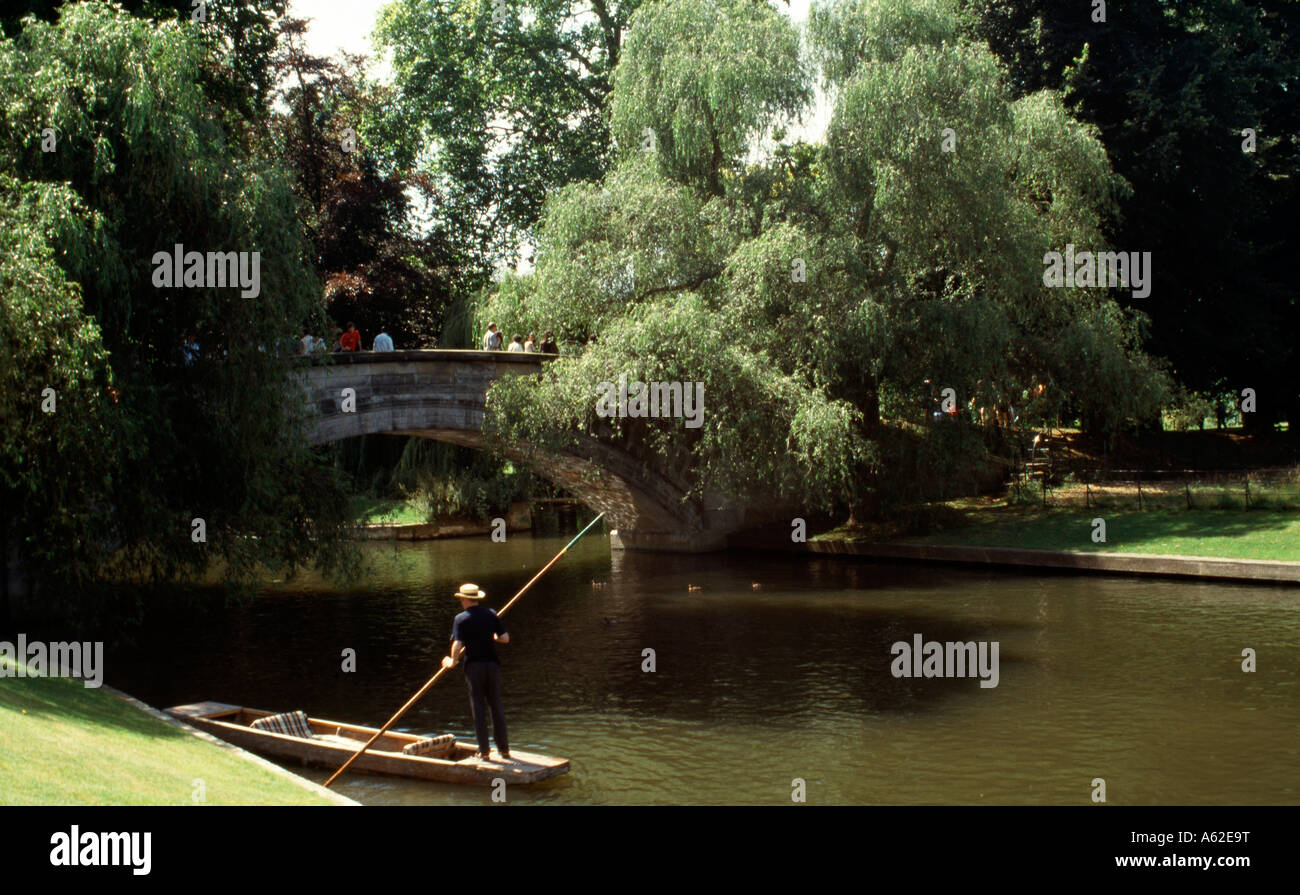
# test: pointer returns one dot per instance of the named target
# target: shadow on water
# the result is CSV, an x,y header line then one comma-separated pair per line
x,y
773,655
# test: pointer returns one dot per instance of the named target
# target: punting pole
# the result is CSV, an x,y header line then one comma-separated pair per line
x,y
433,680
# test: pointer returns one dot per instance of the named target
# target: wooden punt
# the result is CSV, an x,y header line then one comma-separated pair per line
x,y
333,742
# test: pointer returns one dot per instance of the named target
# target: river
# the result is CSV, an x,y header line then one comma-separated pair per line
x,y
776,669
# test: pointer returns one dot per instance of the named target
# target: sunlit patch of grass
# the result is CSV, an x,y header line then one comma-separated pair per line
x,y
1234,534
64,744
381,511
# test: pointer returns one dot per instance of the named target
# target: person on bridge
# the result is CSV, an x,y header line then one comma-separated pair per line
x,y
351,340
474,634
530,344
548,345
189,350
517,343
492,338
383,342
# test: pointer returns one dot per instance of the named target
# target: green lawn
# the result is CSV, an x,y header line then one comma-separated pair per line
x,y
1235,534
374,511
64,744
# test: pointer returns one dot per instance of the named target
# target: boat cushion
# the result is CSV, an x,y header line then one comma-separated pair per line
x,y
293,724
426,745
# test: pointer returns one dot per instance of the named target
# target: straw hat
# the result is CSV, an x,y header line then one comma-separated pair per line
x,y
470,592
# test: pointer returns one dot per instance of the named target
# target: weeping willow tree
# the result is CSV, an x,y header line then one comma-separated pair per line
x,y
114,153
823,293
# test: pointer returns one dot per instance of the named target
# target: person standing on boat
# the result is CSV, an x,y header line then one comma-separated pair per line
x,y
474,634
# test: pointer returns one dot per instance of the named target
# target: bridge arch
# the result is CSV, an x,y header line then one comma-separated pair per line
x,y
441,395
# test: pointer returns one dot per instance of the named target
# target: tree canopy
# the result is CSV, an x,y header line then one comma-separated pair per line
x,y
380,268
198,423
1172,89
823,293
503,101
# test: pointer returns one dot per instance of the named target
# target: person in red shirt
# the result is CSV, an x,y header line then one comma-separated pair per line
x,y
351,340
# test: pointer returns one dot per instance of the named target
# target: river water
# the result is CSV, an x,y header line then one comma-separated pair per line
x,y
776,669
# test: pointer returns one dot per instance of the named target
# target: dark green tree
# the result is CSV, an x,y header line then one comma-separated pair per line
x,y
60,432
204,422
1171,87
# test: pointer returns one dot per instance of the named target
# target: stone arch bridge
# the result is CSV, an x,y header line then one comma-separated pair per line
x,y
440,394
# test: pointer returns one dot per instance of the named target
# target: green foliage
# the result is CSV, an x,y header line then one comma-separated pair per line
x,y
447,480
956,238
1170,88
238,40
847,34
932,463
150,163
1189,411
501,109
795,323
608,245
824,294
56,449
378,269
684,71
748,406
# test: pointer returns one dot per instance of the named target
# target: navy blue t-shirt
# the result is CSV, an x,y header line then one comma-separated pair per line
x,y
474,627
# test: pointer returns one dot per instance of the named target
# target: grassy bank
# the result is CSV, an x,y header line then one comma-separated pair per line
x,y
1232,534
381,511
64,744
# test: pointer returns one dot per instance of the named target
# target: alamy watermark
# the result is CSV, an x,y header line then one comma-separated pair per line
x,y
1109,270
640,400
80,658
77,849
930,658
195,270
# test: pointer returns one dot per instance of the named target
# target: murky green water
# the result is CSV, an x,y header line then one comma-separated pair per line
x,y
779,668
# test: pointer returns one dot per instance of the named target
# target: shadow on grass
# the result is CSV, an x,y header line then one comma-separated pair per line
x,y
70,699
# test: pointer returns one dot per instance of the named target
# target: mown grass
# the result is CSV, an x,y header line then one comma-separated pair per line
x,y
1233,534
64,744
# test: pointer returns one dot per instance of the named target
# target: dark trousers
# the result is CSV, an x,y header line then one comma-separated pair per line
x,y
484,682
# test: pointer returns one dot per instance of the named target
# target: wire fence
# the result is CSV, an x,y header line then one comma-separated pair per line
x,y
1165,489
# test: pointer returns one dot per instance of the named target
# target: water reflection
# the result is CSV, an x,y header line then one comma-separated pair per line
x,y
775,668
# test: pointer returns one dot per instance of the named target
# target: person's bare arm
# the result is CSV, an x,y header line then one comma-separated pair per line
x,y
450,661
501,638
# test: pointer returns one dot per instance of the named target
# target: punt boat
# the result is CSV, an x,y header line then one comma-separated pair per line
x,y
329,744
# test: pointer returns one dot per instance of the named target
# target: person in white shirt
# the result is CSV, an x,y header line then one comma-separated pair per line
x,y
516,344
306,343
383,342
492,338
530,344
